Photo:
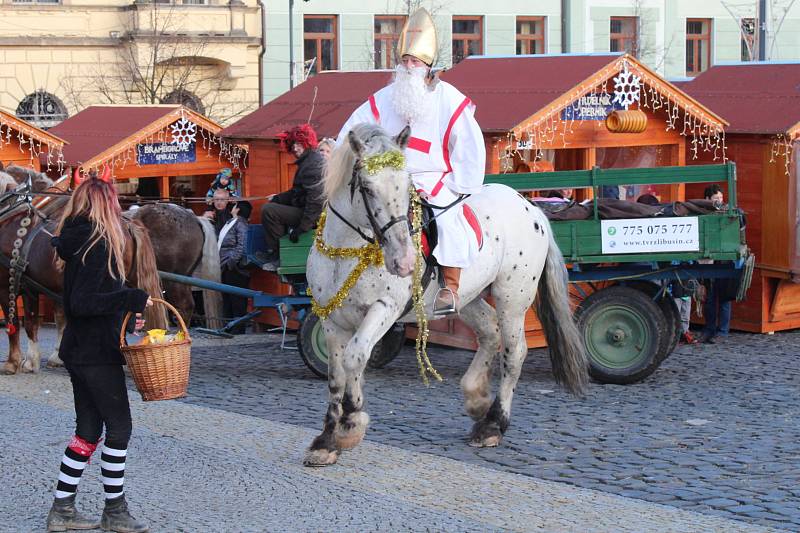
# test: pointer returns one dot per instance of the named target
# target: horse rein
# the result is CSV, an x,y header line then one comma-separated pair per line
x,y
379,231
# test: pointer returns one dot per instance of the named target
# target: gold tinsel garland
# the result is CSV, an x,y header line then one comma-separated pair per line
x,y
372,255
368,255
392,159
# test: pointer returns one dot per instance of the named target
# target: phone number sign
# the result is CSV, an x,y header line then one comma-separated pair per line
x,y
650,235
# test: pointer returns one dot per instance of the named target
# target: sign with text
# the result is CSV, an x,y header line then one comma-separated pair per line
x,y
650,235
165,153
592,107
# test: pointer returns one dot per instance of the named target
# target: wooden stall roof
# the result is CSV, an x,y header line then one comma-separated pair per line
x,y
49,138
762,98
98,133
537,84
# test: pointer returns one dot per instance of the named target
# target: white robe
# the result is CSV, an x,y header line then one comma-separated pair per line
x,y
446,156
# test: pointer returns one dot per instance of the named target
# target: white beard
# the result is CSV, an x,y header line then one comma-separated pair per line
x,y
412,99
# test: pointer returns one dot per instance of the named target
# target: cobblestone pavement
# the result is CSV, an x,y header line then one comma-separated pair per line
x,y
714,431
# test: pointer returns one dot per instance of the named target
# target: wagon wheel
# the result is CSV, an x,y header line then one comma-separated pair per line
x,y
673,316
314,351
622,328
312,347
388,347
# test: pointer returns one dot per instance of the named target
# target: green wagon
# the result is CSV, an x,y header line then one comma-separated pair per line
x,y
619,269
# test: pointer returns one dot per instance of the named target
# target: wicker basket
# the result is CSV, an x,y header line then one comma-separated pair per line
x,y
160,371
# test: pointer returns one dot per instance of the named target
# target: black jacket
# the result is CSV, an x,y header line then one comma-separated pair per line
x,y
306,191
94,302
232,247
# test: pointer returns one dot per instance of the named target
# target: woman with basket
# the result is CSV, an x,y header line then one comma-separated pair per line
x,y
91,243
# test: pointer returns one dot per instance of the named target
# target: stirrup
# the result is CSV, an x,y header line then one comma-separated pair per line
x,y
440,305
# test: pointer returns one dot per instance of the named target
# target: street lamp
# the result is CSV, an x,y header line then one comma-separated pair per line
x,y
291,43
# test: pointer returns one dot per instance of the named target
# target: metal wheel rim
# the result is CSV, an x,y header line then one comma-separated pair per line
x,y
635,342
318,345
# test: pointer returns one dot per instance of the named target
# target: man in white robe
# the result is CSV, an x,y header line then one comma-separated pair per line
x,y
446,154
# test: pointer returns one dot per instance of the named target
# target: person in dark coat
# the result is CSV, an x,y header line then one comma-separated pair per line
x,y
91,241
231,242
295,211
219,212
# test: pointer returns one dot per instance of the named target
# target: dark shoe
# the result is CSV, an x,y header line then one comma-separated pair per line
x,y
63,516
117,518
709,339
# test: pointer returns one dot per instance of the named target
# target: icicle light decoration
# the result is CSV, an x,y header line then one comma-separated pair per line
x,y
30,141
703,132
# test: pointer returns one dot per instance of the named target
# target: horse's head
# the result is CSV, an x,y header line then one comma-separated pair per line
x,y
379,191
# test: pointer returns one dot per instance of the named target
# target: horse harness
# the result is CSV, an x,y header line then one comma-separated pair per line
x,y
428,226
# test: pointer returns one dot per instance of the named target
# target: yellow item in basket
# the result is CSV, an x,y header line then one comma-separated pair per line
x,y
156,335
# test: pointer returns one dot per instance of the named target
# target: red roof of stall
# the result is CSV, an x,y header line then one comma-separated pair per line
x,y
506,90
99,129
754,97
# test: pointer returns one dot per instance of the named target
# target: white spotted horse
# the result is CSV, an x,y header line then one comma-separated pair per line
x,y
518,258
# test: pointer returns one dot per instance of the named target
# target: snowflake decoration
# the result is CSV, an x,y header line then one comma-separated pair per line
x,y
184,132
627,88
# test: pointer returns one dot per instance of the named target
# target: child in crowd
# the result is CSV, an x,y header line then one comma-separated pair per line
x,y
224,180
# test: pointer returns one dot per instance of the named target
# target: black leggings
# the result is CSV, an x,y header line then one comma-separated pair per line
x,y
101,398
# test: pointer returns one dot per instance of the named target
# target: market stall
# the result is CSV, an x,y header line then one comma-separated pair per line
x,y
25,145
158,151
762,103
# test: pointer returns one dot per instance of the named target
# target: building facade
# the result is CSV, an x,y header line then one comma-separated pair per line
x,y
60,56
677,38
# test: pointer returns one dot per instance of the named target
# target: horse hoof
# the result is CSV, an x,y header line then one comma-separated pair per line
x,y
322,457
54,363
29,368
485,435
9,369
489,442
351,430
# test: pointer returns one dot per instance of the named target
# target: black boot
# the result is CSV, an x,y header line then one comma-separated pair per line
x,y
117,518
63,516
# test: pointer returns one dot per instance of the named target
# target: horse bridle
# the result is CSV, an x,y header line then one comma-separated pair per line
x,y
357,183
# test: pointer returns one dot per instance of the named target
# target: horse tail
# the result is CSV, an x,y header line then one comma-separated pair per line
x,y
147,274
565,343
209,269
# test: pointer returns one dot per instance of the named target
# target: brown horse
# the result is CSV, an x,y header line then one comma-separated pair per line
x,y
185,244
42,269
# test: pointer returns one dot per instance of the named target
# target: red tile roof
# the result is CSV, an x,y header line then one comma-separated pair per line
x,y
338,94
754,97
488,81
506,90
98,128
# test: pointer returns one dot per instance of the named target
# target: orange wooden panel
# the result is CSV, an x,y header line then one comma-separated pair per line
x,y
786,302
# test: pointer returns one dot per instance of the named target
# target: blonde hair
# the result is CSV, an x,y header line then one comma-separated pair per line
x,y
97,200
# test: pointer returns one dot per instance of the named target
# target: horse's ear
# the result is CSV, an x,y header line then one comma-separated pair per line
x,y
402,137
356,144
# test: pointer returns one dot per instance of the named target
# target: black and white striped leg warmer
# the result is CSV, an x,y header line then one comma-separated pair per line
x,y
112,469
76,455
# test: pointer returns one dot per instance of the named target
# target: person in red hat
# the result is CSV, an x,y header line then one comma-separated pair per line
x,y
295,211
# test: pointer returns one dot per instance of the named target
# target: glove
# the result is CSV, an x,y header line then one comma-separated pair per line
x,y
294,234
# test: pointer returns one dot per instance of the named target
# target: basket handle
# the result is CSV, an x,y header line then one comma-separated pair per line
x,y
124,342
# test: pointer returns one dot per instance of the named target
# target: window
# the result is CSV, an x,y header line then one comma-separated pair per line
x,y
748,31
185,98
698,46
467,37
530,35
319,43
42,109
625,35
387,35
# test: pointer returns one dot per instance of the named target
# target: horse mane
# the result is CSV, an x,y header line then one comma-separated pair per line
x,y
339,169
